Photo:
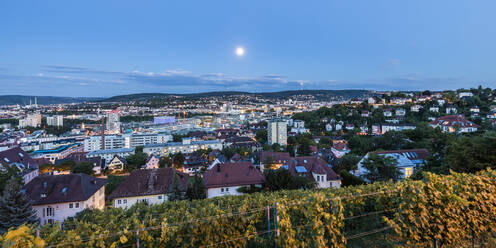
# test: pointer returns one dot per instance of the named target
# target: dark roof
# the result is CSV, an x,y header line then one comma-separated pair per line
x,y
78,187
232,174
17,155
150,182
79,157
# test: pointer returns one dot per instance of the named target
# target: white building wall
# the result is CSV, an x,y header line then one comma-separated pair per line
x,y
223,191
126,202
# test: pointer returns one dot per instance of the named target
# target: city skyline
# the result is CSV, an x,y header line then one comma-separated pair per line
x,y
95,49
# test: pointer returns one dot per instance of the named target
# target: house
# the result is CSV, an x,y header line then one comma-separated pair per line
x,y
152,162
194,162
416,108
328,127
397,127
388,112
226,179
451,110
474,109
376,129
365,113
408,161
454,123
28,168
58,197
148,185
400,112
355,101
339,149
316,169
116,164
350,126
441,102
80,157
434,109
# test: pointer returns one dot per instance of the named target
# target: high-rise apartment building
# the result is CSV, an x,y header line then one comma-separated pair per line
x,y
277,132
113,124
56,120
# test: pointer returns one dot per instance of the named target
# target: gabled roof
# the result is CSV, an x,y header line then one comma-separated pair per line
x,y
150,182
452,120
232,174
17,155
63,188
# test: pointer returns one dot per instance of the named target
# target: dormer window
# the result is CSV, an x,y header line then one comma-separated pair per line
x,y
6,160
42,195
20,155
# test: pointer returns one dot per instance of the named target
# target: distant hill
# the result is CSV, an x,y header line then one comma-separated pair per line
x,y
24,100
318,94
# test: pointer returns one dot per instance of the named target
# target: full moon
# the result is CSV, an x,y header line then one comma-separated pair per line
x,y
240,51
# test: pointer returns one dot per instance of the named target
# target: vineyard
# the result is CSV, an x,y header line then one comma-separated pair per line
x,y
457,210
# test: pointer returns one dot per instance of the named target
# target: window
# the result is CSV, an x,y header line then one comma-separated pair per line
x,y
70,205
318,178
125,201
118,201
408,172
227,189
43,195
50,211
77,204
222,190
160,197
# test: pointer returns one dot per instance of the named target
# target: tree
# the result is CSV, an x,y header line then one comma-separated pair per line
x,y
269,162
261,136
381,168
350,179
8,173
135,161
22,237
83,167
276,147
178,160
176,192
65,166
304,148
347,162
282,179
196,190
15,207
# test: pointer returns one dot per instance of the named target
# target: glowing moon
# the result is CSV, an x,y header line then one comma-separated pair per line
x,y
240,51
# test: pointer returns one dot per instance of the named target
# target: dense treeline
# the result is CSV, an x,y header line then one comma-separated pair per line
x,y
449,210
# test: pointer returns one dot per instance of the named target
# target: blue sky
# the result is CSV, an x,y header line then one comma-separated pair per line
x,y
105,48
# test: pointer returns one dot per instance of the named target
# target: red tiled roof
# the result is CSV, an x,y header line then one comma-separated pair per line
x,y
452,120
232,174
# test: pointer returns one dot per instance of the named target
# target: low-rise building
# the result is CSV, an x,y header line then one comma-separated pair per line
x,y
152,186
108,154
407,161
454,123
186,146
56,198
28,168
227,178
